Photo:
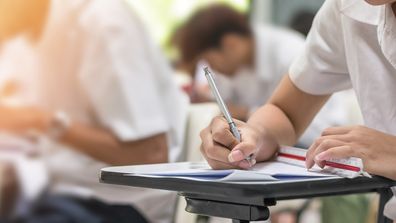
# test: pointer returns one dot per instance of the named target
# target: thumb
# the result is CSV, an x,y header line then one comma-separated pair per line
x,y
241,152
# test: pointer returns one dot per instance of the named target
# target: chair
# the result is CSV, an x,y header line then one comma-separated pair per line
x,y
199,116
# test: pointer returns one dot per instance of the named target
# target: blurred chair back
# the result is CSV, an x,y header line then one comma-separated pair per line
x,y
199,116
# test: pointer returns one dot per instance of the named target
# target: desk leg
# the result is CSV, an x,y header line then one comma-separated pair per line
x,y
240,221
385,195
241,213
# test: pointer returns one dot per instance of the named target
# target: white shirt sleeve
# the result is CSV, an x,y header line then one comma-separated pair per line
x,y
321,68
119,78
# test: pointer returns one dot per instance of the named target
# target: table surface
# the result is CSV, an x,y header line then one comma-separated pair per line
x,y
251,193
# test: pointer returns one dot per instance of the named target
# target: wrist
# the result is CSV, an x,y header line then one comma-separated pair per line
x,y
267,146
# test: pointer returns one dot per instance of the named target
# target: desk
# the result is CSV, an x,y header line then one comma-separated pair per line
x,y
245,202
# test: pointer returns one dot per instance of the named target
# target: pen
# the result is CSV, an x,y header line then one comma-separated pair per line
x,y
233,128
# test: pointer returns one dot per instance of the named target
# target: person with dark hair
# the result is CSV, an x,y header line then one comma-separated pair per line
x,y
251,61
212,28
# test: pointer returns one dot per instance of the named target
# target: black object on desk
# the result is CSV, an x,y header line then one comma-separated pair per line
x,y
245,202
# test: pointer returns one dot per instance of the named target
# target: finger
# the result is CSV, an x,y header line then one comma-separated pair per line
x,y
343,138
221,133
347,151
242,151
246,164
338,152
217,152
250,161
224,136
238,122
325,145
311,150
309,161
217,165
337,130
213,150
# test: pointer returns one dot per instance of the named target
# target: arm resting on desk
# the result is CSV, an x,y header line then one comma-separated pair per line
x,y
97,142
101,144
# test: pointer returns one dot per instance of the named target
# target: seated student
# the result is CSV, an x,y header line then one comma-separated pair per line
x,y
251,60
104,95
349,46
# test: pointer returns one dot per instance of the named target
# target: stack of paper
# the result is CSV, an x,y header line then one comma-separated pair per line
x,y
267,171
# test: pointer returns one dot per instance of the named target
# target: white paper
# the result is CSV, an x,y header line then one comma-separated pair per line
x,y
284,169
267,171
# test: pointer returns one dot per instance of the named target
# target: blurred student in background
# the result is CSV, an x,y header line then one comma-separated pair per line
x,y
103,94
251,61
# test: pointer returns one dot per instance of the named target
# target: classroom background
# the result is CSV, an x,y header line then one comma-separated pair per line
x,y
24,177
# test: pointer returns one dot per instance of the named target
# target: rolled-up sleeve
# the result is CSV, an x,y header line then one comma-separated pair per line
x,y
118,77
321,68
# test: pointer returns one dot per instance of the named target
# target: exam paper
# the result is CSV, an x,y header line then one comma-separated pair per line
x,y
266,171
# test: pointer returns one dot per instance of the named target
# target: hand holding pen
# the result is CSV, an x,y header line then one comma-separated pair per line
x,y
225,136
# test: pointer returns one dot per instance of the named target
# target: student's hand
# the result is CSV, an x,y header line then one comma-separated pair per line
x,y
376,149
222,150
22,119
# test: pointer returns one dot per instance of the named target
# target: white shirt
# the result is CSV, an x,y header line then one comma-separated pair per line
x,y
351,44
275,50
96,62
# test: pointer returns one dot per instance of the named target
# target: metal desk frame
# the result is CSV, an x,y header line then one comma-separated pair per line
x,y
249,202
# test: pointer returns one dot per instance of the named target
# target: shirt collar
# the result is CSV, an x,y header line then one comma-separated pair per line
x,y
361,11
386,32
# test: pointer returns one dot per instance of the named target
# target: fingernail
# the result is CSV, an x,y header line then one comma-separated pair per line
x,y
244,164
235,155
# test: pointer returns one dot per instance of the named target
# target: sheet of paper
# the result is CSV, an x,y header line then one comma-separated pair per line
x,y
180,167
284,169
268,171
219,176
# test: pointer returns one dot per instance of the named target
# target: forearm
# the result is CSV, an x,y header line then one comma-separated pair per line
x,y
102,145
97,142
274,122
286,115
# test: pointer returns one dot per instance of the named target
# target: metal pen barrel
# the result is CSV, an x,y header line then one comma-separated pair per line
x,y
216,93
